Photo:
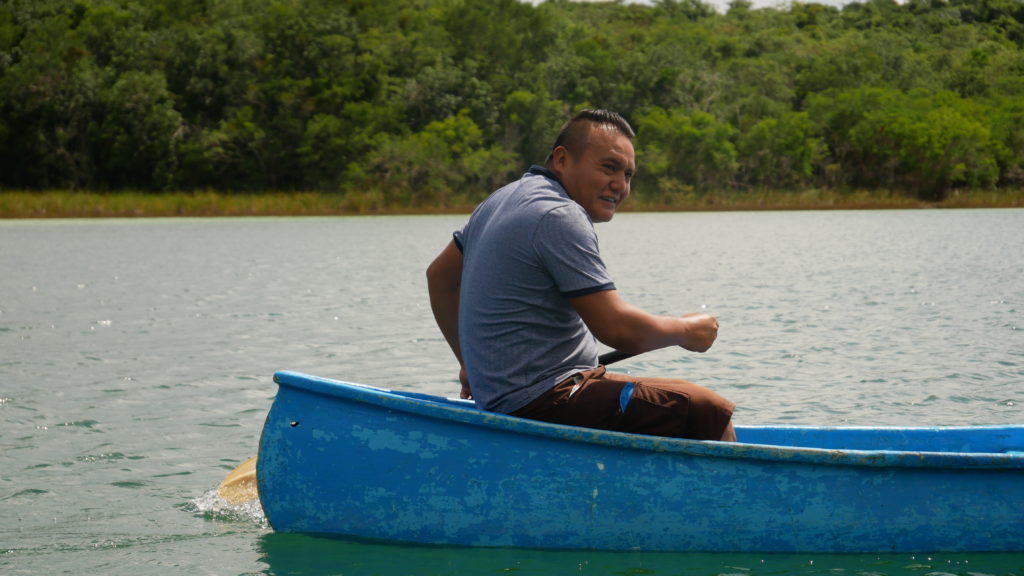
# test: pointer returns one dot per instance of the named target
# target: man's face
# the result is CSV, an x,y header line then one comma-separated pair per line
x,y
599,180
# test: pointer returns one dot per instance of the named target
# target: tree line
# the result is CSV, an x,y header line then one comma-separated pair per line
x,y
434,103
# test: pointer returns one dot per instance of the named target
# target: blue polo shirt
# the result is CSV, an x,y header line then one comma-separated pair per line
x,y
527,249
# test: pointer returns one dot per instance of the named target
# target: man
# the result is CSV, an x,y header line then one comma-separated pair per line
x,y
521,293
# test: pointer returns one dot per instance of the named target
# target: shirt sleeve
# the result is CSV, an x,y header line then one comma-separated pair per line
x,y
566,242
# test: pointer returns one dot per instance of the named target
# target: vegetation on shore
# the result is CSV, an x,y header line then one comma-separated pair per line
x,y
55,204
428,105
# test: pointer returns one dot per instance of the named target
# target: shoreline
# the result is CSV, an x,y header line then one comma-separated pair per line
x,y
20,205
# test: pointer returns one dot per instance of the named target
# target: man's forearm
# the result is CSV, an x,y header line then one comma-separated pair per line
x,y
627,328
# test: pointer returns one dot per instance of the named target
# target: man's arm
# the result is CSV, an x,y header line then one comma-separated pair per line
x,y
444,279
625,327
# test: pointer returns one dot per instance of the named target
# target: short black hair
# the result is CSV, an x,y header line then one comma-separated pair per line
x,y
574,134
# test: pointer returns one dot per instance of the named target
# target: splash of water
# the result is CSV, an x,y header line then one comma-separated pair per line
x,y
211,505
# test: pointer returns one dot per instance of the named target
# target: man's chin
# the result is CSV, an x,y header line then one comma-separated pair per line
x,y
602,213
606,215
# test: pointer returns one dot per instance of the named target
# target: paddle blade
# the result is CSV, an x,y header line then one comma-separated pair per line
x,y
240,485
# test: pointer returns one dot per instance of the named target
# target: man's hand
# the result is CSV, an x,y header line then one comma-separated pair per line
x,y
701,331
466,393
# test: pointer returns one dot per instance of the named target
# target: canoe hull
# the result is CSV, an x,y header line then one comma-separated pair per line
x,y
354,461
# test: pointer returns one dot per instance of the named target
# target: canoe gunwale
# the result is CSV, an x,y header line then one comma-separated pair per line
x,y
464,413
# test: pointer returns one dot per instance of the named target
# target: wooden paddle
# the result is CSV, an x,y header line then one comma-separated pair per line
x,y
239,486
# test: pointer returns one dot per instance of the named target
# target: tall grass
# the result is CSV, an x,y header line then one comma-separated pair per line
x,y
76,204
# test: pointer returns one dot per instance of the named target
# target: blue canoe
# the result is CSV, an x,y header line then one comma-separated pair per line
x,y
360,462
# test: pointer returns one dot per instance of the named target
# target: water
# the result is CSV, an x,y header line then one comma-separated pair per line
x,y
136,360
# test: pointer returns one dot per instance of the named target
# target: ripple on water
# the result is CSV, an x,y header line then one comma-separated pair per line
x,y
80,424
26,492
108,456
129,484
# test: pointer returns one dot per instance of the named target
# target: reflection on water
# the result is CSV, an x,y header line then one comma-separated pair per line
x,y
286,554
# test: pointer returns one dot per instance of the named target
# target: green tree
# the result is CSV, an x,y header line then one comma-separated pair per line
x,y
837,113
332,144
532,122
684,149
51,90
300,94
780,152
444,165
1008,132
138,131
927,144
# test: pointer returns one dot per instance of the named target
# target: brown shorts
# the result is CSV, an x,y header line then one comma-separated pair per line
x,y
655,406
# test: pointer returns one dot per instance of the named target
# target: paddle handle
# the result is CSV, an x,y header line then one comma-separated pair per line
x,y
613,357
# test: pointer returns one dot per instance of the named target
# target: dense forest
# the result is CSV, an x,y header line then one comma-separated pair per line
x,y
434,103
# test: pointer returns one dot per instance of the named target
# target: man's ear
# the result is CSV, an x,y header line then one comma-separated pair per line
x,y
559,156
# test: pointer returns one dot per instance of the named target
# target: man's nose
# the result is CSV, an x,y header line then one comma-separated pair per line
x,y
620,183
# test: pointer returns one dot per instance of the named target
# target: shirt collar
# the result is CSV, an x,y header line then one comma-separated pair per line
x,y
538,170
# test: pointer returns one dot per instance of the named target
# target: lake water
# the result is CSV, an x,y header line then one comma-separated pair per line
x,y
136,359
